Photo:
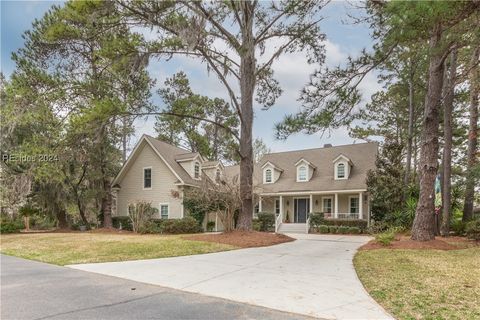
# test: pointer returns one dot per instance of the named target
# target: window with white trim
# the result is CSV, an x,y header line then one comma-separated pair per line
x,y
302,173
196,170
277,207
164,208
354,205
268,176
327,205
147,178
341,171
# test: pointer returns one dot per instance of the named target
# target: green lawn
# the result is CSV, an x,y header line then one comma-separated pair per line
x,y
423,284
71,248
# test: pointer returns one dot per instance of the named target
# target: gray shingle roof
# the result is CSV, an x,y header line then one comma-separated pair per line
x,y
170,154
362,156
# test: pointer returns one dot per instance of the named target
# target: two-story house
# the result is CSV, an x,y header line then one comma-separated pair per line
x,y
290,184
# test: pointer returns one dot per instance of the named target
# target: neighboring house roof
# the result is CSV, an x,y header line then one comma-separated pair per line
x,y
184,156
361,155
211,164
232,171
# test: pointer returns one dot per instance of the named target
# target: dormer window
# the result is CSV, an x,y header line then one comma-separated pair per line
x,y
302,173
217,175
342,166
196,170
268,176
341,171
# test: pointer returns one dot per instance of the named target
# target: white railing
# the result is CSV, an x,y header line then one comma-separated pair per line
x,y
342,216
278,222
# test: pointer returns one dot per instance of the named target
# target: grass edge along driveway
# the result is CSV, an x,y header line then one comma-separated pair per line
x,y
423,284
75,248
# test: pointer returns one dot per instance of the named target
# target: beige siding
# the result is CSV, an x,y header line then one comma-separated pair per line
x,y
163,182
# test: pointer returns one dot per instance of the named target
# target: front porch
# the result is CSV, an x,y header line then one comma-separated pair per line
x,y
295,208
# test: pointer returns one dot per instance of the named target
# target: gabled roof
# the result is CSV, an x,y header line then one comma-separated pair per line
x,y
305,161
362,154
212,164
165,152
341,156
272,165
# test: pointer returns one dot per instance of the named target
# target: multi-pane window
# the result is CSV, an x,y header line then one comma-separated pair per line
x,y
277,207
147,178
340,170
197,170
354,205
268,175
327,205
302,173
164,211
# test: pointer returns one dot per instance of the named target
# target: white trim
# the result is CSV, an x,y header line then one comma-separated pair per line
x,y
294,193
360,205
189,159
327,197
346,170
199,170
272,165
160,209
308,210
336,206
350,203
342,156
143,178
275,206
304,161
307,173
265,175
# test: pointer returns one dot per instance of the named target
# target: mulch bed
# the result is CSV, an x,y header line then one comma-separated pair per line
x,y
404,242
243,239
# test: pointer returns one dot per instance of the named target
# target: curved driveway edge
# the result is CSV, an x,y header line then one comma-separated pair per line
x,y
313,275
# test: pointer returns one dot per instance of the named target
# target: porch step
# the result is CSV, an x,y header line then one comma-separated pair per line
x,y
292,228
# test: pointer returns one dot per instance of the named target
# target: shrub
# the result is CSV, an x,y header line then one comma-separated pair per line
x,y
195,209
354,230
267,221
377,227
256,225
323,228
316,219
333,229
151,226
140,212
12,226
122,222
210,226
385,238
362,224
458,226
179,226
343,229
472,229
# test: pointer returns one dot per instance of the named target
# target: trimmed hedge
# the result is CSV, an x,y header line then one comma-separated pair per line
x,y
361,224
123,221
323,228
317,219
256,225
178,226
267,221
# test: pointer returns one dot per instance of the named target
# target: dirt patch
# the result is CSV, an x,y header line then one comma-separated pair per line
x,y
243,239
404,242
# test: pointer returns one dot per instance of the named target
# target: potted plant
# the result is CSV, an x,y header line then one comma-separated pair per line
x,y
287,218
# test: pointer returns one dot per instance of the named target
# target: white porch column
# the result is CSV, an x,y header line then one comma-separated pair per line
x,y
281,208
336,206
360,205
260,204
311,202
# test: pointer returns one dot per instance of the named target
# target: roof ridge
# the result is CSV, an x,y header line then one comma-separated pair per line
x,y
321,148
169,144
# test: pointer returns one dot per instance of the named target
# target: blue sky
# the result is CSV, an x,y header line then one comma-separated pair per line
x,y
291,71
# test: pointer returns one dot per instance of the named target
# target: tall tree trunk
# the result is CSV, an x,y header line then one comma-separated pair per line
x,y
423,226
472,136
81,211
410,130
247,85
447,148
61,218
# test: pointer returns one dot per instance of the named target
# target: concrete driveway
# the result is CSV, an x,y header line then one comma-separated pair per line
x,y
313,276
